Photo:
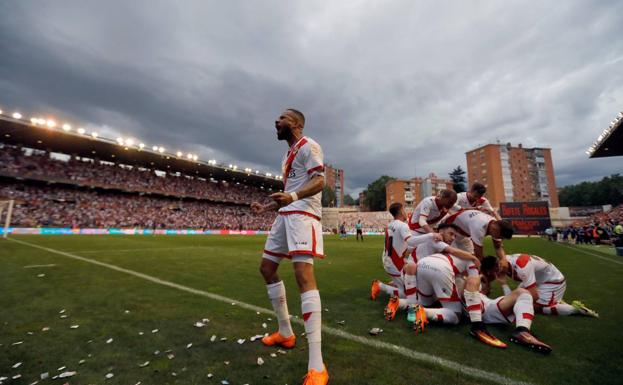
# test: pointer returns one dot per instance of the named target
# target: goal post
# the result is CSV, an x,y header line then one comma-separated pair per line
x,y
6,208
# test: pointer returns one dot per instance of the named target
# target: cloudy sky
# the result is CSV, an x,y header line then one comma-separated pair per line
x,y
388,87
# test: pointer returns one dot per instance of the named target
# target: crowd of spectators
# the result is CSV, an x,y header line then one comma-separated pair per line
x,y
26,163
57,206
600,228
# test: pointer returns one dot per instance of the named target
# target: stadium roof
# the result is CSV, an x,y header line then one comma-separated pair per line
x,y
610,142
46,135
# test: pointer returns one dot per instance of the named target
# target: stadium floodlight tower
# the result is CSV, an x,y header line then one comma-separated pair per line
x,y
6,206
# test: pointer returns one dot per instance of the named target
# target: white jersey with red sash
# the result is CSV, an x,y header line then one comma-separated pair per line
x,y
303,161
532,271
297,232
396,235
428,210
462,202
471,223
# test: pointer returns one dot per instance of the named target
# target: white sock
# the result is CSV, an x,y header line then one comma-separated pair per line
x,y
389,289
474,307
411,289
560,309
524,310
312,315
442,315
403,303
277,296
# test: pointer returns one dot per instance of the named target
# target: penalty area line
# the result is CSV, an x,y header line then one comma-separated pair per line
x,y
401,350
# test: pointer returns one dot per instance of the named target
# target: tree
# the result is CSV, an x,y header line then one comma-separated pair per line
x,y
328,197
608,191
375,193
349,200
458,178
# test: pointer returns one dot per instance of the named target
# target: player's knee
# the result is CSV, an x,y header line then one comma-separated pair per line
x,y
472,283
521,290
267,271
410,268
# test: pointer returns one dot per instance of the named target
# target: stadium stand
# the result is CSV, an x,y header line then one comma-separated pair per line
x,y
39,165
39,205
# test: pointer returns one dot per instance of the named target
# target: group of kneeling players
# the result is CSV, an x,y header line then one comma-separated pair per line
x,y
439,272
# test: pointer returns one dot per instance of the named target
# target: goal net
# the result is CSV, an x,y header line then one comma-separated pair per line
x,y
6,211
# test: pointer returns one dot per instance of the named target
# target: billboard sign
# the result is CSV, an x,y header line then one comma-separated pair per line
x,y
527,217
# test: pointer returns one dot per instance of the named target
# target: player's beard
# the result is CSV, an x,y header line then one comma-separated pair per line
x,y
285,133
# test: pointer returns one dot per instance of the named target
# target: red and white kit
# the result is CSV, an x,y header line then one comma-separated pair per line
x,y
532,271
296,232
436,280
428,246
426,211
463,203
396,248
522,313
472,227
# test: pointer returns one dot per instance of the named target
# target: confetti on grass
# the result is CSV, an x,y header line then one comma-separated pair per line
x,y
66,374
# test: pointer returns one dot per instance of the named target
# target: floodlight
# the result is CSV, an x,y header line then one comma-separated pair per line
x,y
120,140
51,123
17,115
94,134
141,145
129,142
161,149
81,131
154,148
34,121
179,153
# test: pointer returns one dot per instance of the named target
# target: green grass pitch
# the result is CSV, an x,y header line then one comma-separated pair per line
x,y
97,298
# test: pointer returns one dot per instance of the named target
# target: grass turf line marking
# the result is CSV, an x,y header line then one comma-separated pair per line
x,y
143,249
413,354
35,266
589,253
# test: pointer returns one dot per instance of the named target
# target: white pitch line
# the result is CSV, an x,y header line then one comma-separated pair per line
x,y
401,350
35,266
143,249
593,254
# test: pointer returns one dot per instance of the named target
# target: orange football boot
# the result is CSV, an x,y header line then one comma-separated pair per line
x,y
278,339
315,377
375,289
482,335
391,308
420,319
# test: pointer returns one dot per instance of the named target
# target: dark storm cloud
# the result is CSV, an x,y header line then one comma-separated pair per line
x,y
397,88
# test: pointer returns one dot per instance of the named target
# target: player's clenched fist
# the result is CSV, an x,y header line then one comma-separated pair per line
x,y
282,199
257,208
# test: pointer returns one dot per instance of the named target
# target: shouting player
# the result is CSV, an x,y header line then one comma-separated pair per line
x,y
541,279
296,234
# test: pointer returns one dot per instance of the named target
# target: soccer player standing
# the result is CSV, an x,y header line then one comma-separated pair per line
x,y
296,234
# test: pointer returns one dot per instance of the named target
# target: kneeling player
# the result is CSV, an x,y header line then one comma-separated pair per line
x,y
542,279
436,281
398,245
